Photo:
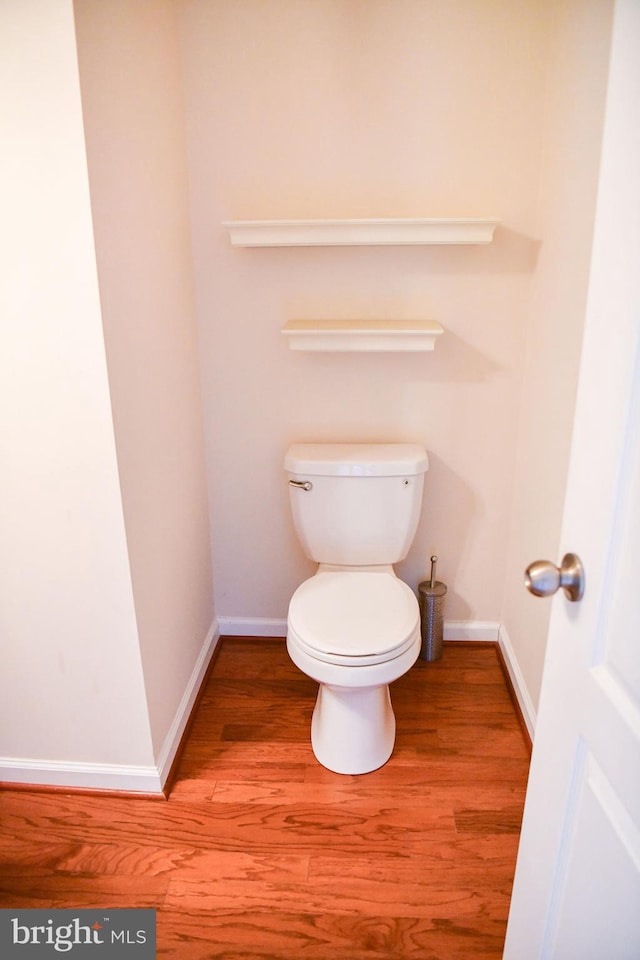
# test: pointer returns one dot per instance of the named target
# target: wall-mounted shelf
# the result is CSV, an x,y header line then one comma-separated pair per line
x,y
310,233
362,335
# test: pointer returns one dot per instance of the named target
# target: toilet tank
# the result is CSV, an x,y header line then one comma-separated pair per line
x,y
356,504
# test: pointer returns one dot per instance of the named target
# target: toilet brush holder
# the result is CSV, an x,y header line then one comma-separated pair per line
x,y
431,598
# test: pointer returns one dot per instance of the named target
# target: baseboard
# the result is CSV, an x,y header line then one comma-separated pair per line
x,y
263,627
173,738
79,776
517,682
252,627
477,630
122,778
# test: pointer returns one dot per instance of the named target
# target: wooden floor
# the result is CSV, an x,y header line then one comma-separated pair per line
x,y
259,852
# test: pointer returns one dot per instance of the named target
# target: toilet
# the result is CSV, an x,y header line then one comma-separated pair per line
x,y
354,627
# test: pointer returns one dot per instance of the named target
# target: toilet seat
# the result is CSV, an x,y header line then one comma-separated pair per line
x,y
354,618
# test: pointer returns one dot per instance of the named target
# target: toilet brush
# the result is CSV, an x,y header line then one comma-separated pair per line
x,y
432,593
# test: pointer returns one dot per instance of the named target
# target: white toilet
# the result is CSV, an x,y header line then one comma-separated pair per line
x,y
354,627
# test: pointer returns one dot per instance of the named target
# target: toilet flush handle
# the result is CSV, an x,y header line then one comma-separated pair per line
x,y
301,484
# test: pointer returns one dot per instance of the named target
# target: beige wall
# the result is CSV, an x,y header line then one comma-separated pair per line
x,y
349,109
71,684
106,585
574,115
134,125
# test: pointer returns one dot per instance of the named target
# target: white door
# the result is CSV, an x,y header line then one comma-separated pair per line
x,y
577,887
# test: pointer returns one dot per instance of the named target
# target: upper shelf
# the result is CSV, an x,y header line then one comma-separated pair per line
x,y
314,233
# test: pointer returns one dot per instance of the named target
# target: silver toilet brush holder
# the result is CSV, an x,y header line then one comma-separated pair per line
x,y
431,598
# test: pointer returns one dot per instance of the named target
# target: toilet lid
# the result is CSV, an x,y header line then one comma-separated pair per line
x,y
355,616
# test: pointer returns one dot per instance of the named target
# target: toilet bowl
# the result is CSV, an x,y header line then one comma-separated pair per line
x,y
354,627
354,633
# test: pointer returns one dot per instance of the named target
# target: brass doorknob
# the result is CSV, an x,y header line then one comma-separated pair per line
x,y
542,578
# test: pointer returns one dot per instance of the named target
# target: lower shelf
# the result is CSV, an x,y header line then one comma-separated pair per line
x,y
362,335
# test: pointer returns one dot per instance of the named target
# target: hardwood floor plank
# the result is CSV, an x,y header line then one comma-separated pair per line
x,y
379,886
361,791
265,732
108,859
235,826
37,887
210,766
410,900
293,827
415,768
506,819
192,788
489,741
278,935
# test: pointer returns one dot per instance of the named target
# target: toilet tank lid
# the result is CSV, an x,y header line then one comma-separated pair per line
x,y
356,459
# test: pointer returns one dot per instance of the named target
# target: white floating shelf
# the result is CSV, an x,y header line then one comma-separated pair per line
x,y
362,335
313,233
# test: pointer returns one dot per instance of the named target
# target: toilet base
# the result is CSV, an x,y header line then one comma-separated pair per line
x,y
353,729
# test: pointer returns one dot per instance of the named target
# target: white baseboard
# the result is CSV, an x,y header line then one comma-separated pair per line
x,y
120,777
181,718
263,627
517,681
252,627
477,630
87,776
